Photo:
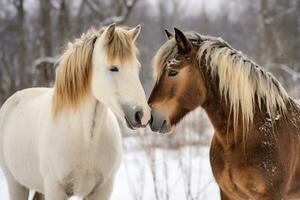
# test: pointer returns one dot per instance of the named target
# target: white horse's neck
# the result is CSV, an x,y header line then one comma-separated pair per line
x,y
95,118
94,112
87,119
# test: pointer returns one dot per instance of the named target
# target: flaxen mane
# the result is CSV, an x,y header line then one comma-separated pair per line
x,y
121,48
241,82
74,72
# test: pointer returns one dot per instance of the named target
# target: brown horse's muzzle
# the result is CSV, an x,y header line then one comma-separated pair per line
x,y
159,122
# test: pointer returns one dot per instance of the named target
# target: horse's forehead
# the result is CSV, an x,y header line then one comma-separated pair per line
x,y
121,49
166,52
125,64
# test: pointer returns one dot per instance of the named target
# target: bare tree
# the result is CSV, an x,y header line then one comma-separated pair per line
x,y
127,8
270,46
46,37
19,5
64,26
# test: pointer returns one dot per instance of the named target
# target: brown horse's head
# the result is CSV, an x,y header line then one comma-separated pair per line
x,y
179,86
193,70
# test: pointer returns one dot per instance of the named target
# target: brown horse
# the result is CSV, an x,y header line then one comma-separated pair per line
x,y
255,151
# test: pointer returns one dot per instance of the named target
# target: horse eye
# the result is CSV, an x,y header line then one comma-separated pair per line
x,y
172,73
114,69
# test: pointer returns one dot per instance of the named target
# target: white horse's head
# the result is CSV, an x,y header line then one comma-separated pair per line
x,y
115,80
108,69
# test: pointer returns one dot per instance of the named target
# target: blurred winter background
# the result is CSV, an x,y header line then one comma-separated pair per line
x,y
175,167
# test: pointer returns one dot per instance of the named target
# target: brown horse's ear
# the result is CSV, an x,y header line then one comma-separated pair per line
x,y
109,32
169,34
184,45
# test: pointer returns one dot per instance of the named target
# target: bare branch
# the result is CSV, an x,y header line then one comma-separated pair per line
x,y
271,19
2,89
40,62
44,68
17,3
295,75
94,7
55,5
127,7
121,18
6,66
205,187
43,63
295,93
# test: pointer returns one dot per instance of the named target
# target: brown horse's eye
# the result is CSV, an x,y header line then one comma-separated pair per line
x,y
172,73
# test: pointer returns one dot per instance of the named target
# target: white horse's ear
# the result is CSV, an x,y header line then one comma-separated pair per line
x,y
135,32
109,32
169,34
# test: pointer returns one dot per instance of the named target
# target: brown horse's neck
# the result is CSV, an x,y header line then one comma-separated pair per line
x,y
218,112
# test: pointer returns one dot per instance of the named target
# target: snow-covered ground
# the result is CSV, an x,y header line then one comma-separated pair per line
x,y
178,174
3,187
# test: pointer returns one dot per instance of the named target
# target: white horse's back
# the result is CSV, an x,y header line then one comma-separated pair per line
x,y
19,102
19,127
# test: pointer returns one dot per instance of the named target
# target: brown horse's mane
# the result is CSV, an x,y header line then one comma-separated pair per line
x,y
242,83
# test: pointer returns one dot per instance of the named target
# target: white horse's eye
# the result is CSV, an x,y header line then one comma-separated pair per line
x,y
114,69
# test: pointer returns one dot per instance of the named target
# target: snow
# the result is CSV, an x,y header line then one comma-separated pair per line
x,y
266,126
295,118
278,116
184,167
3,187
182,173
173,62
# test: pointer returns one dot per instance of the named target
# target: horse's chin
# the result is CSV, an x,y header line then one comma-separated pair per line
x,y
116,110
128,123
168,131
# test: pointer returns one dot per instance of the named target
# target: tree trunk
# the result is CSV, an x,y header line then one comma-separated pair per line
x,y
45,13
63,21
21,44
269,48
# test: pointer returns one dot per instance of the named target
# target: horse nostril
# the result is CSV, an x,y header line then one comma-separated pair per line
x,y
138,117
164,126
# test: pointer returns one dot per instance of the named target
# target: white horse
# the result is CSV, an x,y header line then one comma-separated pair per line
x,y
66,141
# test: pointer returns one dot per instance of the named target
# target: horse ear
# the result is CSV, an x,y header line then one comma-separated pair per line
x,y
169,34
110,31
135,32
184,45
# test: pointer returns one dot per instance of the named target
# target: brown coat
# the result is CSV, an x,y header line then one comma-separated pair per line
x,y
255,148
